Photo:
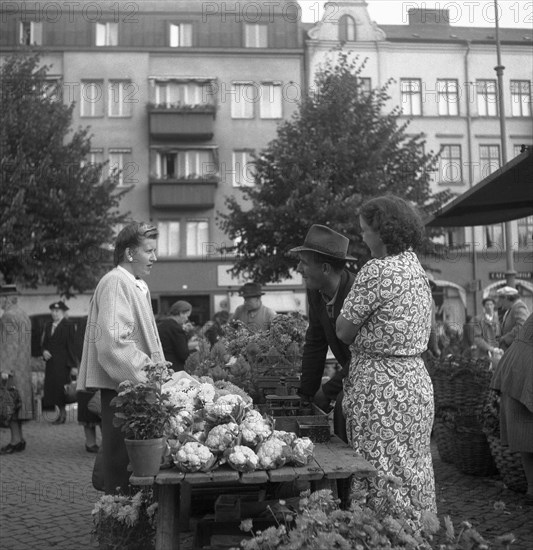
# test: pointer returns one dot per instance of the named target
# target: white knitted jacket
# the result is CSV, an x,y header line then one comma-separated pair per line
x,y
121,335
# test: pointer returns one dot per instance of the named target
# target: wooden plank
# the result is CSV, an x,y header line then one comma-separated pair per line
x,y
169,477
311,471
254,478
339,460
223,474
285,473
167,534
144,481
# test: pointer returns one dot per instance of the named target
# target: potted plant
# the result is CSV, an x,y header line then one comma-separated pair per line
x,y
143,413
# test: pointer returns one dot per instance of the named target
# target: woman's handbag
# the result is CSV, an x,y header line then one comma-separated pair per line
x,y
70,392
95,403
9,401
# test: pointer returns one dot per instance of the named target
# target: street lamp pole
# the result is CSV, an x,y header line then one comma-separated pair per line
x,y
510,274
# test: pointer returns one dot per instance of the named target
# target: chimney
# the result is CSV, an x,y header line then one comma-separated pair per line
x,y
429,16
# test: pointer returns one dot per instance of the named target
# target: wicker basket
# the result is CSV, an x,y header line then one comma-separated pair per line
x,y
509,465
445,439
471,449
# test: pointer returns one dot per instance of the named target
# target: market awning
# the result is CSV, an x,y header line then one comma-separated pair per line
x,y
504,195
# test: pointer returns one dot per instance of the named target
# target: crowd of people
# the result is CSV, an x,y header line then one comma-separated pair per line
x,y
377,323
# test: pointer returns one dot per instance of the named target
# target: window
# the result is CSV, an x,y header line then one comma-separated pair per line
x,y
346,29
255,36
243,169
168,242
94,158
451,165
52,89
120,162
183,93
92,98
242,100
365,84
180,35
520,97
197,236
494,236
448,97
107,34
525,232
31,33
411,92
270,104
186,164
120,98
489,159
487,98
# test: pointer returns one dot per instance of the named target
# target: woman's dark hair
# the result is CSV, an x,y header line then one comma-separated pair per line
x,y
396,221
132,236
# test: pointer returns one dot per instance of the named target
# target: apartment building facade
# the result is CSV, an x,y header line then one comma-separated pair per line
x,y
178,96
444,82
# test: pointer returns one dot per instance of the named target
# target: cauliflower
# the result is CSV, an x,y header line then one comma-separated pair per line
x,y
273,453
181,399
194,457
180,423
287,437
301,451
227,408
206,393
254,428
221,437
242,458
224,387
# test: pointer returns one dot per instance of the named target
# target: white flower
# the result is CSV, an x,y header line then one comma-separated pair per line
x,y
206,394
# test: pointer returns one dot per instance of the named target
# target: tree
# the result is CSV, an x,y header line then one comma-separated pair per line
x,y
338,150
56,211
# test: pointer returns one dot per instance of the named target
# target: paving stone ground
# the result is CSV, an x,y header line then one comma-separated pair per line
x,y
46,495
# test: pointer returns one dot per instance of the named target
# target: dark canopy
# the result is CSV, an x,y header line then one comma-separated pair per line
x,y
504,195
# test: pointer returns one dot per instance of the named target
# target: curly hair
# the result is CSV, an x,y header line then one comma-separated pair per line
x,y
132,236
397,222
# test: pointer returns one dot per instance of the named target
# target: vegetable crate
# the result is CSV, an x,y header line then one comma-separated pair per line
x,y
291,416
276,385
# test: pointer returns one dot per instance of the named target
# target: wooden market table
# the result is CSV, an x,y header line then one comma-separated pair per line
x,y
331,461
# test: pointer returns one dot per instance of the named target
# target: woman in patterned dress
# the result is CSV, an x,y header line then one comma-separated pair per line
x,y
388,395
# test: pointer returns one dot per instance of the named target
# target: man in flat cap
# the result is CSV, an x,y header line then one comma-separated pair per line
x,y
516,313
322,264
253,313
59,352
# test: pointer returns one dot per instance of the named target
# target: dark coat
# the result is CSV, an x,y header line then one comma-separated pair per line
x,y
321,334
62,346
174,342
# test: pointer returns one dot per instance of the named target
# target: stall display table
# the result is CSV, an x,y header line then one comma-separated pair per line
x,y
331,461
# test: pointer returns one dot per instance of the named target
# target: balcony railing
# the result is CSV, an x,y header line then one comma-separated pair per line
x,y
183,193
194,122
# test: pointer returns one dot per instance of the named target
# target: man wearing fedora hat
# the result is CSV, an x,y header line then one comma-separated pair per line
x,y
253,313
59,352
516,313
322,264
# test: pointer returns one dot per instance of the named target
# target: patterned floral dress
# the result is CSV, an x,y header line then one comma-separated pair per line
x,y
388,395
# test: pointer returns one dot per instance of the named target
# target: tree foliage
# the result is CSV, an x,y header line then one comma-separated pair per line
x,y
56,211
339,149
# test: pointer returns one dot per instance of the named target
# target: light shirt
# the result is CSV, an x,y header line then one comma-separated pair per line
x,y
139,283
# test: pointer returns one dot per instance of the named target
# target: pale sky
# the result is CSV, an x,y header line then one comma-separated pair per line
x,y
463,13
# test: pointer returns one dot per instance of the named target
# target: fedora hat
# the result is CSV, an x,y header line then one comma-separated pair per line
x,y
250,290
8,290
59,305
325,241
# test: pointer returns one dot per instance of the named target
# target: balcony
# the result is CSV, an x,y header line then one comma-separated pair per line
x,y
194,122
183,193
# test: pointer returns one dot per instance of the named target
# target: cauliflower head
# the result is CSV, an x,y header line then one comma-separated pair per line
x,y
301,451
194,457
221,437
227,408
273,453
255,428
242,458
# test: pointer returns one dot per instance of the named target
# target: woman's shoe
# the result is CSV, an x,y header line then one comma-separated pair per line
x,y
16,448
60,420
7,449
92,448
